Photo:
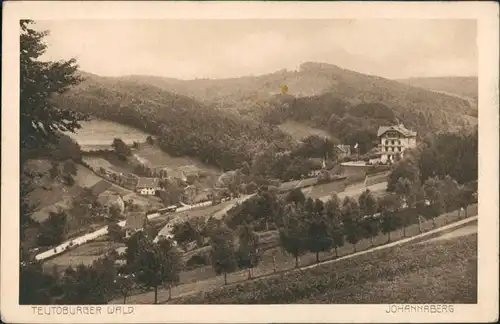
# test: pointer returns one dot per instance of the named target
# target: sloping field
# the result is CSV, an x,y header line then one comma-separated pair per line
x,y
43,213
298,184
85,178
97,162
300,131
326,189
158,158
204,279
443,273
102,132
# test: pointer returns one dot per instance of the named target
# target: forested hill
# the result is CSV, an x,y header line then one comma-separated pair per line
x,y
183,126
226,122
311,79
464,87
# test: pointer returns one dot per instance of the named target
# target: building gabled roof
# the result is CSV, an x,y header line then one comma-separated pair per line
x,y
135,220
148,183
398,128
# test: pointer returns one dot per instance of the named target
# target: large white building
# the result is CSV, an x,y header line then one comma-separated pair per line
x,y
394,140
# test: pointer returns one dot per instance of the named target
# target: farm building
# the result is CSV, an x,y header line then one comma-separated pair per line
x,y
136,221
147,186
110,199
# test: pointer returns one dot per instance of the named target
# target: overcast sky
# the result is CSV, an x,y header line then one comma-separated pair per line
x,y
189,49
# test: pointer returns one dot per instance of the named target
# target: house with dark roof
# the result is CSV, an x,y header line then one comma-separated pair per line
x,y
135,221
147,186
394,140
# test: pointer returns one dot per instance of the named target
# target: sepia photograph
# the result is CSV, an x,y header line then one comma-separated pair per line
x,y
248,161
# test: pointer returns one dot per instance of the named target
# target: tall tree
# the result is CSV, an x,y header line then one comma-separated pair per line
x,y
173,264
405,190
248,248
406,168
293,234
157,264
333,214
319,238
367,203
35,286
388,205
122,149
124,284
434,196
116,232
223,251
296,196
450,190
40,119
351,218
89,284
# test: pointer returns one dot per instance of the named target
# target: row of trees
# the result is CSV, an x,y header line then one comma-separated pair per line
x,y
304,225
307,225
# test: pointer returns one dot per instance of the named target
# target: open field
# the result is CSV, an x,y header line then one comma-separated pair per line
x,y
85,254
204,279
42,197
97,162
43,213
289,185
300,131
102,132
442,273
50,194
85,178
398,274
159,158
325,189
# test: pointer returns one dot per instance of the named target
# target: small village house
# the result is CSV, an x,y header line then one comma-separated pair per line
x,y
111,199
148,186
135,222
343,151
394,141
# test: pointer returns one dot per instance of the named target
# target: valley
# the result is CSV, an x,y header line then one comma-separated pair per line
x,y
232,180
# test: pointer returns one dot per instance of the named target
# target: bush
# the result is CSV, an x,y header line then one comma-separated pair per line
x,y
197,260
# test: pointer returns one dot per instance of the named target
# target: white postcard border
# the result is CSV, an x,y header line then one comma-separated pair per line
x,y
486,14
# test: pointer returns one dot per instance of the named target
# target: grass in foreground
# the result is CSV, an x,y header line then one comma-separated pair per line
x,y
444,272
